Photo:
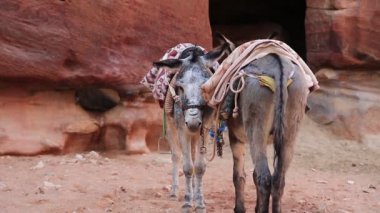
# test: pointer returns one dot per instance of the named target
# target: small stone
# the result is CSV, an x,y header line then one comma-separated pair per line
x,y
4,187
365,191
108,210
93,155
302,201
322,181
79,157
166,188
157,195
40,191
353,164
39,165
371,186
123,189
48,184
351,182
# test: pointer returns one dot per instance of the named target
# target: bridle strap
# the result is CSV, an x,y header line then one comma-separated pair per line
x,y
196,106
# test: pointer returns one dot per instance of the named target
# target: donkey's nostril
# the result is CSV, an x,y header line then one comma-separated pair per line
x,y
200,123
186,123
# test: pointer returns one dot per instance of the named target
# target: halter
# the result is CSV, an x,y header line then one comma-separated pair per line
x,y
178,100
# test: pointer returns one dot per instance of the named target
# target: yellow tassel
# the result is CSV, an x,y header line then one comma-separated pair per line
x,y
269,82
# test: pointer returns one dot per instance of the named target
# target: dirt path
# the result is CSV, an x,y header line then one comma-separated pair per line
x,y
327,175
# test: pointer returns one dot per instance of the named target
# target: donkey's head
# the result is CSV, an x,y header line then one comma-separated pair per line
x,y
193,70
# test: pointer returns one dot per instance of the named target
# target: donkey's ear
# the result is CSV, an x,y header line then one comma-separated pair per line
x,y
224,40
273,35
171,63
215,54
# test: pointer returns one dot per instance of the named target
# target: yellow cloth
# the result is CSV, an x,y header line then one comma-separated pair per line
x,y
269,82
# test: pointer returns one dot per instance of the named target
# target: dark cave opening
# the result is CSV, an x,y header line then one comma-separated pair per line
x,y
245,20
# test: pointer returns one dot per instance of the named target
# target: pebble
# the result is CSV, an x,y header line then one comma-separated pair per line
x,y
3,186
123,189
301,201
166,188
351,182
79,157
157,195
39,165
48,184
93,155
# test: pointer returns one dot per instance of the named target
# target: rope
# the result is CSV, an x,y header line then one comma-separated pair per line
x,y
240,76
164,123
163,136
216,119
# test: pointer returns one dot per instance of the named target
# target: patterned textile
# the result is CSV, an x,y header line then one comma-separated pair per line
x,y
157,80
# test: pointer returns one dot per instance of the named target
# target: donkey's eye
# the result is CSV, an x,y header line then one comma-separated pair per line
x,y
179,90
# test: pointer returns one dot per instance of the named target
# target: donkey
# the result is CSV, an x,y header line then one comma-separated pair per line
x,y
185,126
264,113
266,117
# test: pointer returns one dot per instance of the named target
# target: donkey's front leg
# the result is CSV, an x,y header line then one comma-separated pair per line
x,y
199,168
188,169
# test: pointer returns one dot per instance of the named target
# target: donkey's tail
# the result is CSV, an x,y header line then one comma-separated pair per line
x,y
281,96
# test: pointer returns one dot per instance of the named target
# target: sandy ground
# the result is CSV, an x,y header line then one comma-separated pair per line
x,y
327,175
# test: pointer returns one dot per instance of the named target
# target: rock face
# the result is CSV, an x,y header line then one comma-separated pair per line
x,y
348,103
109,43
36,120
343,33
342,43
65,46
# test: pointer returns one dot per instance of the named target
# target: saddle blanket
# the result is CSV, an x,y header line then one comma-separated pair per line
x,y
214,90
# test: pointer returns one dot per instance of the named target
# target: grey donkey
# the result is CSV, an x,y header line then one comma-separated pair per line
x,y
185,126
267,117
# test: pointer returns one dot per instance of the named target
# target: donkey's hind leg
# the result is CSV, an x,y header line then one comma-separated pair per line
x,y
238,154
293,115
256,108
176,158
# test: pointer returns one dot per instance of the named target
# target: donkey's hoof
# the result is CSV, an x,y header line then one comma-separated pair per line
x,y
186,208
239,210
173,197
200,209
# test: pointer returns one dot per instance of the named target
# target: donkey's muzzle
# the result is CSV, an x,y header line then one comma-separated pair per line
x,y
193,119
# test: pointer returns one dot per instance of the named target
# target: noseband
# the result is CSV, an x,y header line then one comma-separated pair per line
x,y
193,106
